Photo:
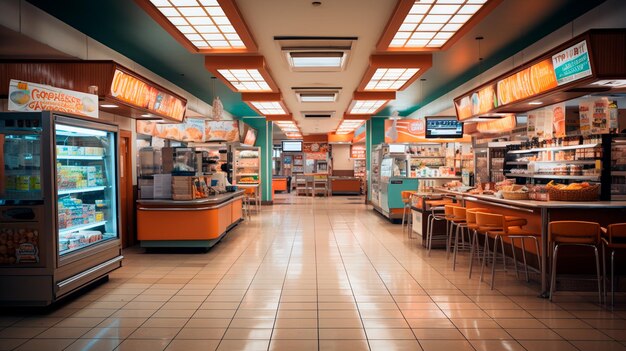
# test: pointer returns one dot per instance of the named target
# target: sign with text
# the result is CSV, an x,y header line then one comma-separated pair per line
x,y
404,130
30,97
528,82
479,102
572,63
357,151
136,92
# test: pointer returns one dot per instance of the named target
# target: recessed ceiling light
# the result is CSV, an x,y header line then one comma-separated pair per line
x,y
201,22
245,79
269,108
362,107
108,106
431,23
535,103
146,115
317,97
390,78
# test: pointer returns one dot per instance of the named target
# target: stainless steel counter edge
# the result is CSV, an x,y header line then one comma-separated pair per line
x,y
211,200
539,204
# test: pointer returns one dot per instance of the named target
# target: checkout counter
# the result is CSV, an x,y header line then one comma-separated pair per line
x,y
188,223
345,185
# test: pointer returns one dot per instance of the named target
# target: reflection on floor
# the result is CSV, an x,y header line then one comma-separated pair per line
x,y
313,274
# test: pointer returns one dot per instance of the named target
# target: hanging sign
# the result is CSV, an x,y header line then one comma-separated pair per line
x,y
504,124
479,102
222,131
572,63
136,92
31,97
191,131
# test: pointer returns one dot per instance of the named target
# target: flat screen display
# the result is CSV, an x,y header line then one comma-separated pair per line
x,y
292,146
443,127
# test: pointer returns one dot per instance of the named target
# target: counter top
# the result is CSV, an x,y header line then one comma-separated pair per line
x,y
211,200
538,204
344,177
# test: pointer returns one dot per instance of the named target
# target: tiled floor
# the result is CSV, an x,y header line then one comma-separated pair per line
x,y
313,274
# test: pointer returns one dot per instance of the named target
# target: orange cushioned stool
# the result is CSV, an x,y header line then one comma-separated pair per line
x,y
577,234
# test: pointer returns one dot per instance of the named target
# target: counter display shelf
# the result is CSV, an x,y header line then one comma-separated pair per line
x,y
345,185
160,223
540,213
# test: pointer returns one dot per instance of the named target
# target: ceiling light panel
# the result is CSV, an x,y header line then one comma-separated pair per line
x,y
269,108
348,126
431,23
316,59
202,22
363,107
317,97
390,78
245,80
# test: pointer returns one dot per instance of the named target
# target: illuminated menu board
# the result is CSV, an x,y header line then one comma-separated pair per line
x,y
138,93
561,68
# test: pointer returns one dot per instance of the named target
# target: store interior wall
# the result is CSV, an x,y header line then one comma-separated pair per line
x,y
26,19
341,158
610,14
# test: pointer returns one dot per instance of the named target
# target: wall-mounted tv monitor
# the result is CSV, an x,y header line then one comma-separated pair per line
x,y
443,127
292,145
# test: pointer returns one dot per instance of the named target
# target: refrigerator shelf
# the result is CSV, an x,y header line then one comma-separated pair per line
x,y
81,190
81,227
88,158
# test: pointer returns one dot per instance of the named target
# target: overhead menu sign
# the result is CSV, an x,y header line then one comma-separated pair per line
x,y
31,97
136,92
561,68
572,63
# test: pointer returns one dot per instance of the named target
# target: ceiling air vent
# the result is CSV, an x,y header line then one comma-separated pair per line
x,y
327,114
316,54
327,95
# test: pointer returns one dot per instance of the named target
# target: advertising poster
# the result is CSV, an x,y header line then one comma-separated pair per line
x,y
584,113
404,130
600,116
221,131
315,147
558,119
193,130
33,97
543,123
531,124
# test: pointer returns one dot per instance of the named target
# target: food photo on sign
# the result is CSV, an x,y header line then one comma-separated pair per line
x,y
32,97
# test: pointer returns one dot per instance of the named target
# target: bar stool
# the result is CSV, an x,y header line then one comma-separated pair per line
x,y
406,200
461,224
573,233
613,238
452,222
472,226
497,227
437,213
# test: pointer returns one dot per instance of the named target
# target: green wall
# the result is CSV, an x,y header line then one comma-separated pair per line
x,y
263,141
375,134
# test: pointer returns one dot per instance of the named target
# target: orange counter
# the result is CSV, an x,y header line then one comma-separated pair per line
x,y
194,223
345,185
279,184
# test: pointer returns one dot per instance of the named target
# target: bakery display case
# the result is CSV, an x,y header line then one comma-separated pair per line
x,y
247,165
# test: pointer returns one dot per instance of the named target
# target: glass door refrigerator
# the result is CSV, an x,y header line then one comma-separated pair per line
x,y
59,206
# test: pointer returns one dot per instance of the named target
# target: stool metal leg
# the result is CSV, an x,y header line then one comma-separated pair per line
x,y
553,271
595,250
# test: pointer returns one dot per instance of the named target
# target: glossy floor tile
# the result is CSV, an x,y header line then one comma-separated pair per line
x,y
313,274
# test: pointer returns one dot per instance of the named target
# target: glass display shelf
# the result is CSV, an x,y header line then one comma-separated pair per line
x,y
80,227
80,190
552,176
86,158
556,148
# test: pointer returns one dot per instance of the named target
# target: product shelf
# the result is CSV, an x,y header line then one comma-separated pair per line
x,y
81,190
81,227
558,148
86,158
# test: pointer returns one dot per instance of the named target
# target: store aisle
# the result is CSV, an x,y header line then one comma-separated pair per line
x,y
312,274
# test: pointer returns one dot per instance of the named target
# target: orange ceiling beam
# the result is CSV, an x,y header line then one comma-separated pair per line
x,y
287,117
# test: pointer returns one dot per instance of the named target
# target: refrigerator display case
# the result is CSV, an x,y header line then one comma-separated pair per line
x,y
393,180
59,205
247,165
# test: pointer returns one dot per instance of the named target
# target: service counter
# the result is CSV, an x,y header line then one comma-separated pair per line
x,y
539,214
192,223
345,185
